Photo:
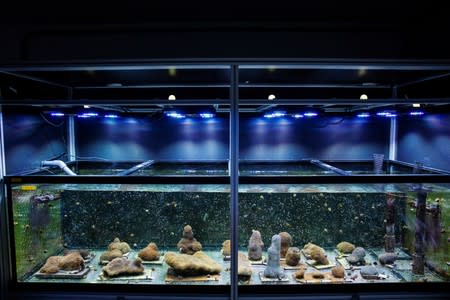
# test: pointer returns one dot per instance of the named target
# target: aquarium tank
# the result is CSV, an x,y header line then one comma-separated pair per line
x,y
224,184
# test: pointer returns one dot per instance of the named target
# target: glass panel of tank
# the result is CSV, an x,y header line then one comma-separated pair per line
x,y
121,233
343,233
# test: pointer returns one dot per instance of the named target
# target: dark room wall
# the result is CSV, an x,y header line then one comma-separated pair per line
x,y
29,139
330,138
425,139
144,138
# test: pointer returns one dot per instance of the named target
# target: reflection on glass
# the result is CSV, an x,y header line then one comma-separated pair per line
x,y
121,233
344,233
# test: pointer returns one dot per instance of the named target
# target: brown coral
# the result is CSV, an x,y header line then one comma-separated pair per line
x,y
286,241
149,253
110,255
51,265
255,245
293,256
226,248
338,272
318,254
188,244
197,264
70,262
345,247
244,266
83,252
123,266
317,275
308,248
117,244
300,273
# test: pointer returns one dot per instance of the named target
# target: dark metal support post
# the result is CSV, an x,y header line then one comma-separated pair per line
x,y
234,178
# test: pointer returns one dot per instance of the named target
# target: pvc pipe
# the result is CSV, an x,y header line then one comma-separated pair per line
x,y
60,164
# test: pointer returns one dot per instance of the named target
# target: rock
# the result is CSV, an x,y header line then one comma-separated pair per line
x,y
300,273
226,248
308,248
387,258
244,267
368,271
71,262
255,246
122,246
286,241
318,254
338,271
123,266
273,268
149,253
345,247
357,256
293,256
110,255
188,244
197,264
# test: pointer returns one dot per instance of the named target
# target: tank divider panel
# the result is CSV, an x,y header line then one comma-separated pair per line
x,y
135,168
430,169
328,167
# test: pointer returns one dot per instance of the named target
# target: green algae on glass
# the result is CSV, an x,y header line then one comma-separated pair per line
x,y
37,231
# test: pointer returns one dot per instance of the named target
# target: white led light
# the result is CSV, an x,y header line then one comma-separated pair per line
x,y
172,98
86,106
416,105
363,97
271,97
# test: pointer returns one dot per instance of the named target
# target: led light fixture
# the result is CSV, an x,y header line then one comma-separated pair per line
x,y
298,116
175,115
57,114
416,113
363,115
172,98
207,115
387,114
275,114
310,114
111,116
88,115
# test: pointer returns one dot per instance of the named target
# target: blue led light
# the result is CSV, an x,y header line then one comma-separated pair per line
x,y
87,115
363,115
110,116
310,114
387,114
174,114
416,113
298,116
57,114
207,115
275,114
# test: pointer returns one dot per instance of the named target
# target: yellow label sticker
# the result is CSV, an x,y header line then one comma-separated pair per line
x,y
28,187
